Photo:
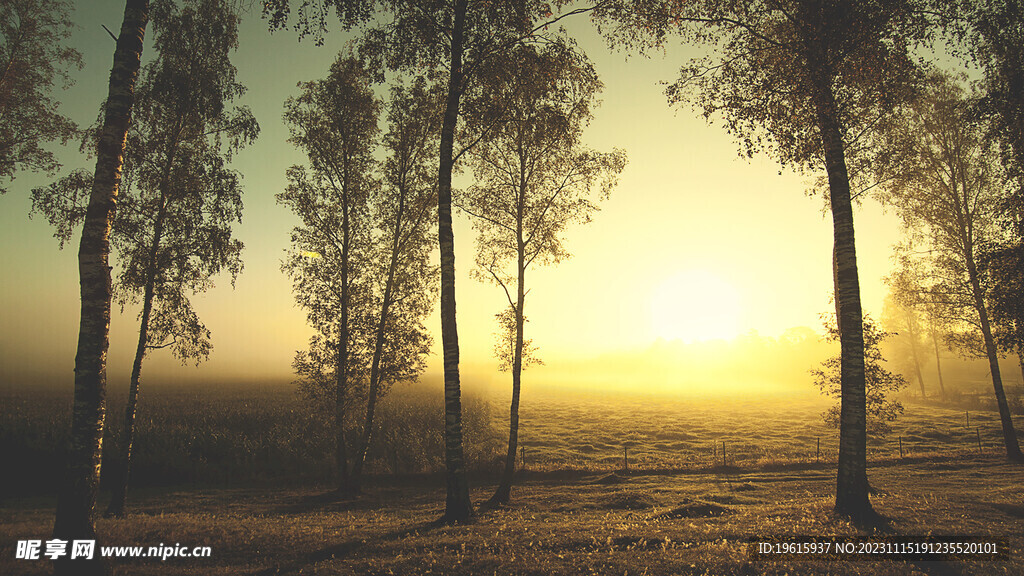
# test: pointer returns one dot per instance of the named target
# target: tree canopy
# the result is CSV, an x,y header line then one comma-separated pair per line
x,y
806,81
948,190
35,59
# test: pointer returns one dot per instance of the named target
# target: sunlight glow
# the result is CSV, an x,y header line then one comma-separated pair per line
x,y
694,305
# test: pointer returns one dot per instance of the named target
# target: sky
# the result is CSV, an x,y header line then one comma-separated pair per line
x,y
695,243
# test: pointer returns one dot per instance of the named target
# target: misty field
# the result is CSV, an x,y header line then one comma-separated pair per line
x,y
232,436
245,473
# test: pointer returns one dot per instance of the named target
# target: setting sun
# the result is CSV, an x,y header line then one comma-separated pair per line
x,y
694,305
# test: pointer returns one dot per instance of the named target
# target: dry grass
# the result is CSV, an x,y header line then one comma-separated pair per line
x,y
678,510
696,523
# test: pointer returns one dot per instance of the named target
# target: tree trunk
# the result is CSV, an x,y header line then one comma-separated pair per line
x,y
341,450
341,376
1009,434
851,481
938,365
913,351
378,347
458,507
503,494
119,498
77,499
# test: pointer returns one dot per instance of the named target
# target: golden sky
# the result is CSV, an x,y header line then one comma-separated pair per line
x,y
694,243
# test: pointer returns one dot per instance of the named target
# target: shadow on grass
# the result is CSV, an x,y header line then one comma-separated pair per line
x,y
330,501
886,526
345,549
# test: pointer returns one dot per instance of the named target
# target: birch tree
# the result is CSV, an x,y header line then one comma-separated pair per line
x,y
909,289
172,233
460,38
902,320
77,499
334,121
533,179
806,81
947,190
401,212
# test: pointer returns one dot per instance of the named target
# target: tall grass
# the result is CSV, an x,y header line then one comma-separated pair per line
x,y
233,436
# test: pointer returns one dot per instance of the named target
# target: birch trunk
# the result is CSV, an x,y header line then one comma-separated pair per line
x,y
77,500
378,347
851,481
341,376
503,494
938,365
1005,418
913,351
119,498
458,507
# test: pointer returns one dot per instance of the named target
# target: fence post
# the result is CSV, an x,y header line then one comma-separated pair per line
x,y
978,430
901,446
522,452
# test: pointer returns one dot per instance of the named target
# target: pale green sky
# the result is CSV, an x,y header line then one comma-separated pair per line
x,y
686,207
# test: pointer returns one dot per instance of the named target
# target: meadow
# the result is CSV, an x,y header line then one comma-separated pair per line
x,y
245,473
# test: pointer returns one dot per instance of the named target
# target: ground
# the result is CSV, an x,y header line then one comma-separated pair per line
x,y
562,522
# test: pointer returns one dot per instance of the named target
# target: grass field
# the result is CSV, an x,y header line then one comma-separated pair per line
x,y
678,510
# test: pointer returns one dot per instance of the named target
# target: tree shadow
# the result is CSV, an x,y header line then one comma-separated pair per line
x,y
329,501
345,549
884,526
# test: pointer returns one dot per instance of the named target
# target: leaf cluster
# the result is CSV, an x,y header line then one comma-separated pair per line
x,y
992,32
505,343
34,59
365,223
880,383
416,35
776,70
948,189
172,231
1002,268
533,175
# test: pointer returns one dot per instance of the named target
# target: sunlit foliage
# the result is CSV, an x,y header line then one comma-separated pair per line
x,y
882,385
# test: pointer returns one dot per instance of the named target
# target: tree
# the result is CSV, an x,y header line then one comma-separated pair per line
x,y
401,212
533,179
947,191
901,319
334,121
175,225
1001,265
34,58
994,34
908,291
881,384
77,499
461,37
172,232
807,81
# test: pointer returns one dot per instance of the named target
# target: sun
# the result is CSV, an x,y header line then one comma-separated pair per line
x,y
694,305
